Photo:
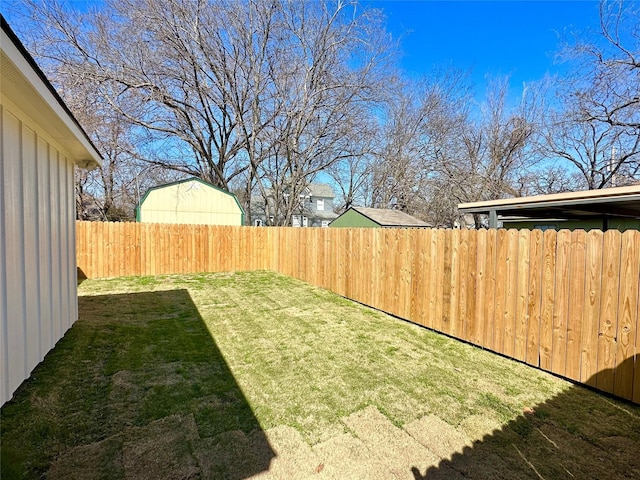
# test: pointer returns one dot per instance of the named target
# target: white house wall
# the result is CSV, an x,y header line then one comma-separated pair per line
x,y
38,294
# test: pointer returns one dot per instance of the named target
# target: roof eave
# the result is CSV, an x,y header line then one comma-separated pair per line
x,y
32,92
560,199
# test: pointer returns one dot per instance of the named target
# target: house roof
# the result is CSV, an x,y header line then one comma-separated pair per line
x,y
314,190
324,214
321,190
589,204
390,218
23,83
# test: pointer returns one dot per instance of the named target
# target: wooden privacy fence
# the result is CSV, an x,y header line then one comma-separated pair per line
x,y
566,302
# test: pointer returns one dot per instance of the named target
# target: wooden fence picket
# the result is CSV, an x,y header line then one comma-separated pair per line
x,y
627,316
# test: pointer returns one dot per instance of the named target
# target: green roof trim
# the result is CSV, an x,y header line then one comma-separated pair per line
x,y
352,218
190,179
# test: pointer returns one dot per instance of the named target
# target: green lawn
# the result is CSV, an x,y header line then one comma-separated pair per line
x,y
252,351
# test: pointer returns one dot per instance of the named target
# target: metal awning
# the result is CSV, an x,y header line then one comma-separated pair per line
x,y
619,202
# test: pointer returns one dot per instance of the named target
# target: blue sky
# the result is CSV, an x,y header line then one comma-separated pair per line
x,y
495,38
516,38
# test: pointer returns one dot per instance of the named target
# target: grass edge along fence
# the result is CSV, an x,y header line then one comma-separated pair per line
x,y
565,301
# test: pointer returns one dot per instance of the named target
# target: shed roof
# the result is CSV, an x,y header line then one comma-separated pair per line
x,y
390,218
588,204
25,84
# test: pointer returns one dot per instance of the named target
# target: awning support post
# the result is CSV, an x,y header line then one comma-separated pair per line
x,y
493,219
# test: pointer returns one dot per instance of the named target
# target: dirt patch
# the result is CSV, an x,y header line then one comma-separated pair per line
x,y
438,436
346,457
124,386
100,460
393,446
293,456
233,455
161,450
125,391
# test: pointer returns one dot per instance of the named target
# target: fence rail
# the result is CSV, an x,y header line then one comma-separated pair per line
x,y
566,302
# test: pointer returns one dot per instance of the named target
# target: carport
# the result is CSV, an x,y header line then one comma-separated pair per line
x,y
605,205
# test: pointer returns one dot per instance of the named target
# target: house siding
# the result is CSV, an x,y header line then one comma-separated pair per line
x,y
315,216
310,210
38,294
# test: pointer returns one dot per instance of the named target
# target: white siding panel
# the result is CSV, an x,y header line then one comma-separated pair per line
x,y
56,279
37,243
71,245
44,246
14,251
30,203
64,245
38,294
4,361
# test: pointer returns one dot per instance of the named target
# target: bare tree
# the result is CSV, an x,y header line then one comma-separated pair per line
x,y
547,179
436,153
173,69
595,127
403,165
353,178
105,193
268,93
332,67
604,155
607,79
416,137
489,155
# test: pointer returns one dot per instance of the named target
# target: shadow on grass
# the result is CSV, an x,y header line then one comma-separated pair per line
x,y
80,275
136,388
579,433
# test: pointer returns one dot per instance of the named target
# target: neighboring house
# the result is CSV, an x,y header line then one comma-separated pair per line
x,y
40,146
315,208
377,218
605,209
191,201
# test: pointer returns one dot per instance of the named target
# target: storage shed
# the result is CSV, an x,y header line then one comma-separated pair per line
x,y
191,201
377,218
41,142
